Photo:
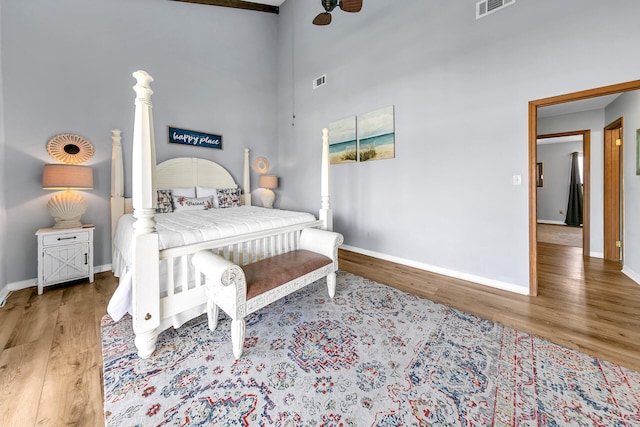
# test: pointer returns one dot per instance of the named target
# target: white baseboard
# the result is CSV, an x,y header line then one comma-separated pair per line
x,y
15,286
4,293
29,283
439,270
101,268
631,274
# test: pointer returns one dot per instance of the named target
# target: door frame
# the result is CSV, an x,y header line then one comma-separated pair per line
x,y
586,184
533,136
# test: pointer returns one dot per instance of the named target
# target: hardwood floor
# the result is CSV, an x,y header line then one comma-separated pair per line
x,y
51,355
583,303
50,351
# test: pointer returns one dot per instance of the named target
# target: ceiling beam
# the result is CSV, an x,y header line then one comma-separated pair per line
x,y
238,4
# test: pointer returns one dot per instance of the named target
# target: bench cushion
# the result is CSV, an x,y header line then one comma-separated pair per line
x,y
269,273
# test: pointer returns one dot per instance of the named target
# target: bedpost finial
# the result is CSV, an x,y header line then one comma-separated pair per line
x,y
143,78
116,136
143,85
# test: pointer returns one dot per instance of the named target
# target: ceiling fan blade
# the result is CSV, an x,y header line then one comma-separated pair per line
x,y
351,5
323,18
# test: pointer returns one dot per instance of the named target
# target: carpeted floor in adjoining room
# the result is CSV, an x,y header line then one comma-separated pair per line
x,y
374,356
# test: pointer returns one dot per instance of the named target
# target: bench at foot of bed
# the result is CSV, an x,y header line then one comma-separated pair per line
x,y
241,290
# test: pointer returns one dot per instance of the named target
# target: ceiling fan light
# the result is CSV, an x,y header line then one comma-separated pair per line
x,y
329,5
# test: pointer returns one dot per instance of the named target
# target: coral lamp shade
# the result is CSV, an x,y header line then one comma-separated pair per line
x,y
64,177
268,181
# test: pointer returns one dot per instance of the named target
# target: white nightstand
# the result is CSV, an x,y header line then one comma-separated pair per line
x,y
64,255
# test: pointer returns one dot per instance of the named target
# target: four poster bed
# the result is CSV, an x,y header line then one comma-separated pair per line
x,y
152,251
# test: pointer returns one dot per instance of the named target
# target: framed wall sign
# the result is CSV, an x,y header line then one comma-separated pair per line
x,y
195,138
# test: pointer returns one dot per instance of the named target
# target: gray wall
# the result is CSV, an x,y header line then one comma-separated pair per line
x,y
592,120
554,195
461,89
67,68
3,209
628,107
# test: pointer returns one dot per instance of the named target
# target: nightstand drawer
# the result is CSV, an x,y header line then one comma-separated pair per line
x,y
65,238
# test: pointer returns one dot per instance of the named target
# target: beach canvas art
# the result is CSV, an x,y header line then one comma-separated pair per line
x,y
376,135
342,141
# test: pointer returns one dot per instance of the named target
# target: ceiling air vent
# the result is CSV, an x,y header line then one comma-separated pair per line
x,y
485,7
319,81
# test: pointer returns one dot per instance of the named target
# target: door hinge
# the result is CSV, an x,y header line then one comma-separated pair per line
x,y
618,142
618,243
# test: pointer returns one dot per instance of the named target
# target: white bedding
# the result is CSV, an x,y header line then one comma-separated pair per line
x,y
183,228
187,227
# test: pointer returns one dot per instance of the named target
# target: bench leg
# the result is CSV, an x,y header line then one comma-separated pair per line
x,y
212,315
331,284
237,336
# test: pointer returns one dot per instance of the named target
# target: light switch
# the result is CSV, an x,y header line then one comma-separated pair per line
x,y
517,179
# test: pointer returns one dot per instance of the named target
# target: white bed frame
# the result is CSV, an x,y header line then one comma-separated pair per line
x,y
151,312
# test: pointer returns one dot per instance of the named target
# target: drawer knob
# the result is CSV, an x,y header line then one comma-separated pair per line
x,y
148,316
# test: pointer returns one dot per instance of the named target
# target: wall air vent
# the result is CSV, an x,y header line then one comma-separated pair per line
x,y
319,81
485,7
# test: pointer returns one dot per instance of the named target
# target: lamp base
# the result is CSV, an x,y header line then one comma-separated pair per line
x,y
268,198
67,208
62,224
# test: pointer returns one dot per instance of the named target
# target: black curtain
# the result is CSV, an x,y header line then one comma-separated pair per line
x,y
574,207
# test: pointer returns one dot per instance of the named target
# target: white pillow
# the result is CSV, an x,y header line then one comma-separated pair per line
x,y
181,203
206,191
183,192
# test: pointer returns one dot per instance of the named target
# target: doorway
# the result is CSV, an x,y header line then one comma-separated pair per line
x,y
586,183
533,134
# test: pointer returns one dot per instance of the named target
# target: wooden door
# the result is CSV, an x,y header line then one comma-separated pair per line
x,y
613,143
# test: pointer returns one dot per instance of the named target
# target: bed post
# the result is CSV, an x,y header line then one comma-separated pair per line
x,y
146,280
117,181
246,179
326,214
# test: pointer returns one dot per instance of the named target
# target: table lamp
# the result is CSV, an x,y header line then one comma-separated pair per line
x,y
268,196
67,207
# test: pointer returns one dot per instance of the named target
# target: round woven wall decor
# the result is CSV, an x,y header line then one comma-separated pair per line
x,y
70,148
261,165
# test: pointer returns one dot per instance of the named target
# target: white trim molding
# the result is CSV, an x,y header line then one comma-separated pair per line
x,y
29,283
444,271
4,293
631,274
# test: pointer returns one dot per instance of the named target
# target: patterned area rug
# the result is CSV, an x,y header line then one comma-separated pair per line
x,y
374,356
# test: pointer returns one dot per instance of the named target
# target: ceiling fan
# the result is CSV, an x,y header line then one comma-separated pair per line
x,y
324,18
